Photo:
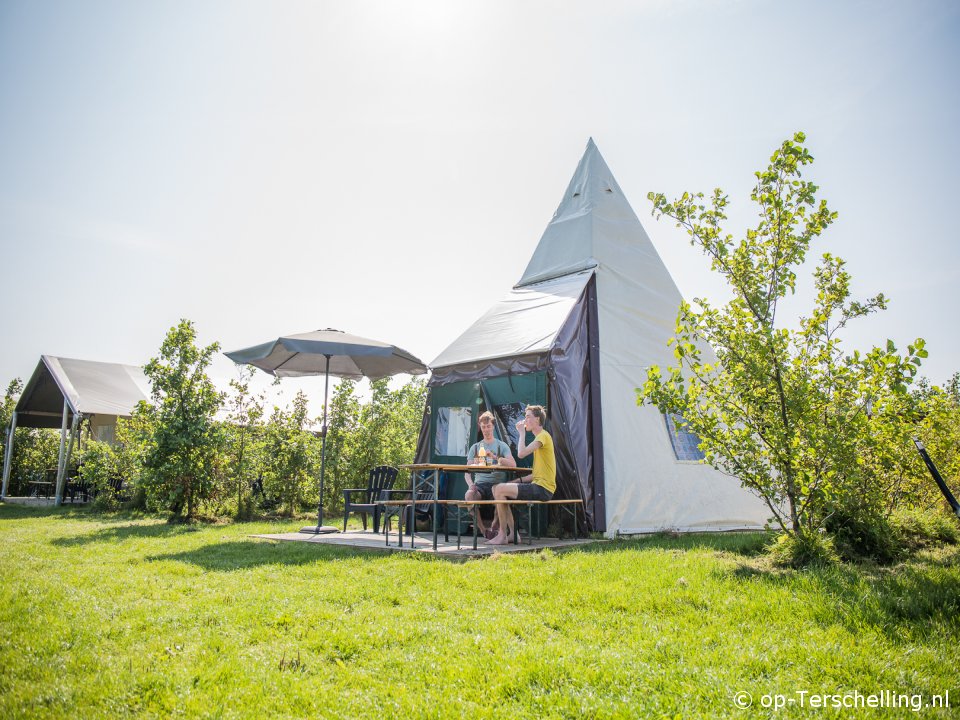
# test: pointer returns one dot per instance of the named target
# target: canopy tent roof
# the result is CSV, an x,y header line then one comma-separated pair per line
x,y
89,388
525,322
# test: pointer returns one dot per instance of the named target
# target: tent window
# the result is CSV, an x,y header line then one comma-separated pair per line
x,y
686,445
105,433
453,431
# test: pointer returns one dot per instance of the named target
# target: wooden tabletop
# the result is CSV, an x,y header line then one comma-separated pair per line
x,y
479,502
466,468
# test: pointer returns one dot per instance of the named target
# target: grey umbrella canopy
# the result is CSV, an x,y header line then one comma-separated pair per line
x,y
350,356
328,352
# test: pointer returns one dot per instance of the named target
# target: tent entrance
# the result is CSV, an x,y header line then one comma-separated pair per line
x,y
456,407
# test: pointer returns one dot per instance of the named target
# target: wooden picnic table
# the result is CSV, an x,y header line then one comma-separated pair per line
x,y
568,505
39,486
436,468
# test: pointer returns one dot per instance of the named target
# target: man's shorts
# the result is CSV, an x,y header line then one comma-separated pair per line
x,y
531,491
485,489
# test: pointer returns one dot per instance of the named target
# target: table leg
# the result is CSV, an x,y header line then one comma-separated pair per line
x,y
413,496
436,508
476,521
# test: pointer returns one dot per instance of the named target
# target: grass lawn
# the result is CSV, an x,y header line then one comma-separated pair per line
x,y
121,615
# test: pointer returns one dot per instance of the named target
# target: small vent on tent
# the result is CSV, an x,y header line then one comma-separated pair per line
x,y
686,445
609,190
576,194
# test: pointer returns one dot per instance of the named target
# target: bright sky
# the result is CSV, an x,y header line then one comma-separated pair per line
x,y
387,168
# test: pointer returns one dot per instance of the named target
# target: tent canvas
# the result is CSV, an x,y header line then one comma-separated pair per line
x,y
593,309
61,391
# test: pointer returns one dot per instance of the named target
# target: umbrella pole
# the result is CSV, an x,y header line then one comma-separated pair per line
x,y
321,528
323,441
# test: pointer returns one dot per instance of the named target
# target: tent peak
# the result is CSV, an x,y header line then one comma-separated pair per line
x,y
575,239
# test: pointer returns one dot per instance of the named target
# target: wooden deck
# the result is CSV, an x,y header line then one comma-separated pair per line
x,y
424,543
31,501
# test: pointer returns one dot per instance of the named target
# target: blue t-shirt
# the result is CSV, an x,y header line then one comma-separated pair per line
x,y
496,447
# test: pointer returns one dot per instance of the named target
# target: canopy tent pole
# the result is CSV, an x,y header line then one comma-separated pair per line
x,y
8,454
63,448
62,478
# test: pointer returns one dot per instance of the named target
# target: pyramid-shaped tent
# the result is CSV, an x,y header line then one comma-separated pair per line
x,y
594,308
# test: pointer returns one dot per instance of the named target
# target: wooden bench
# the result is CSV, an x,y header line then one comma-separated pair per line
x,y
566,505
41,486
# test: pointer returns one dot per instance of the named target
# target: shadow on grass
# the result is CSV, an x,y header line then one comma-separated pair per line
x,y
916,598
15,511
244,554
118,533
81,513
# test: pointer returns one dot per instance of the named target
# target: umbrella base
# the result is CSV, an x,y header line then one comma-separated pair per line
x,y
319,529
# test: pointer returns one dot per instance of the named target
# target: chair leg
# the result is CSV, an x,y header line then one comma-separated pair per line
x,y
364,516
376,520
345,513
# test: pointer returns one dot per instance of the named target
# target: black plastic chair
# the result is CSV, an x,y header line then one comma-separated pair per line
x,y
120,488
381,478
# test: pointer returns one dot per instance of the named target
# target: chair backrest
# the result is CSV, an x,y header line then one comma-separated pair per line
x,y
382,477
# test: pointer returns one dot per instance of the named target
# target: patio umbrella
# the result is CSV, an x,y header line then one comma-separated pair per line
x,y
328,352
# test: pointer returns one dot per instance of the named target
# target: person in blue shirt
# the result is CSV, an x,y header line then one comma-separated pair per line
x,y
480,485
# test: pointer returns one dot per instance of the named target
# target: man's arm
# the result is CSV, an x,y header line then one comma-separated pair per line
x,y
524,450
471,460
507,459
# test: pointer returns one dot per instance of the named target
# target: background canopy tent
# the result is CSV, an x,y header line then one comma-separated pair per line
x,y
62,391
594,308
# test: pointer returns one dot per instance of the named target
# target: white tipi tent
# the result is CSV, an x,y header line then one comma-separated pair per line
x,y
594,308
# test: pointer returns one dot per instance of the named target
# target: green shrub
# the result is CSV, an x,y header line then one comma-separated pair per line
x,y
806,550
97,467
863,535
916,529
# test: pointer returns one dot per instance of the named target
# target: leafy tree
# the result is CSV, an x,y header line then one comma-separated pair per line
x,y
932,414
35,450
291,454
103,463
382,431
7,407
343,420
787,411
245,442
182,458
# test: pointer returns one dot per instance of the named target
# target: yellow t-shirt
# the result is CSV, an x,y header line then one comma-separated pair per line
x,y
545,463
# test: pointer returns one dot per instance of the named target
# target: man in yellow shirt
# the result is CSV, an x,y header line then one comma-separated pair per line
x,y
540,484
